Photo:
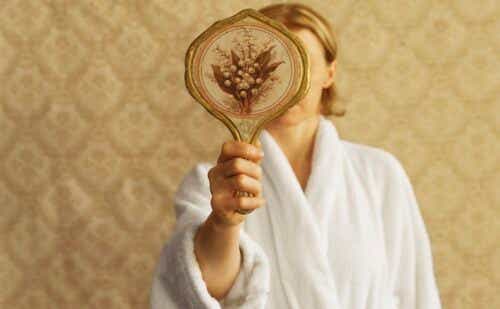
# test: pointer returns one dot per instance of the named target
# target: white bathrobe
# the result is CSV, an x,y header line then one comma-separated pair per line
x,y
355,239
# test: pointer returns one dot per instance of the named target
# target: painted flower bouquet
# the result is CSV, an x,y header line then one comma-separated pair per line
x,y
246,75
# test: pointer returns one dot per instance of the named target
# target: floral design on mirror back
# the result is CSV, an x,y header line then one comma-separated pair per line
x,y
245,71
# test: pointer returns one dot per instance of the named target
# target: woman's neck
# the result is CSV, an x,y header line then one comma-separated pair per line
x,y
297,143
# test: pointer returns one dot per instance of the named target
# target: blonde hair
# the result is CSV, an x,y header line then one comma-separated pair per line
x,y
302,16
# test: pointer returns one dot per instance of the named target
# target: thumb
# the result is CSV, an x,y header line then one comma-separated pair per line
x,y
258,145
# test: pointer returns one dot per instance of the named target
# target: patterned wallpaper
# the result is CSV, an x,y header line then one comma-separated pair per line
x,y
97,129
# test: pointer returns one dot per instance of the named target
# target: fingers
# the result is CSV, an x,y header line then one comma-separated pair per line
x,y
247,203
259,146
244,183
233,149
237,169
237,174
227,203
241,166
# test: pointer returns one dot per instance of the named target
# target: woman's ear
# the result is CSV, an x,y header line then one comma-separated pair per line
x,y
331,73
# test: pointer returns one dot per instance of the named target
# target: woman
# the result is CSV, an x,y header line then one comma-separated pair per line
x,y
334,224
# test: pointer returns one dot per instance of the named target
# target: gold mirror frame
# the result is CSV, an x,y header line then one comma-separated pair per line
x,y
248,134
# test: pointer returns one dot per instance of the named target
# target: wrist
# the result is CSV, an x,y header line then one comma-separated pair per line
x,y
219,226
217,241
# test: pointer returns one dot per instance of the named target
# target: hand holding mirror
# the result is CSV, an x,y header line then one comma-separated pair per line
x,y
246,70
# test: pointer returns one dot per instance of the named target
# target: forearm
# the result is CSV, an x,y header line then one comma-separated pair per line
x,y
218,255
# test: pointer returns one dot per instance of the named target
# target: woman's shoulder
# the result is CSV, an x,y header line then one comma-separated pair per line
x,y
383,174
378,170
372,159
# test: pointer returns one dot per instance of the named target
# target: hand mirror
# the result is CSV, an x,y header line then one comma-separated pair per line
x,y
247,70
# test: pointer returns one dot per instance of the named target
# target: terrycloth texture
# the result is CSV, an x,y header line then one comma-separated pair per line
x,y
177,281
354,239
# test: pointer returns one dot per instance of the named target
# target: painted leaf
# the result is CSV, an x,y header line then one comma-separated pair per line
x,y
267,58
272,67
264,57
234,58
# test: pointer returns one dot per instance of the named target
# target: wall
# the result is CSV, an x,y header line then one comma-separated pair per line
x,y
97,129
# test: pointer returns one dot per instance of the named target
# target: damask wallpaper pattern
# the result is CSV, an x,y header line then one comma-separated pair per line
x,y
97,129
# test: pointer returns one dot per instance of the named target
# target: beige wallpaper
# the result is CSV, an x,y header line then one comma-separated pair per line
x,y
97,129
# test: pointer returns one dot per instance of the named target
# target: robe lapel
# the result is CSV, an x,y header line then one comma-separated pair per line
x,y
299,220
323,184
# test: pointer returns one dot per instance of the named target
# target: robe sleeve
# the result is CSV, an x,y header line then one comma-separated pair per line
x,y
411,271
177,279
